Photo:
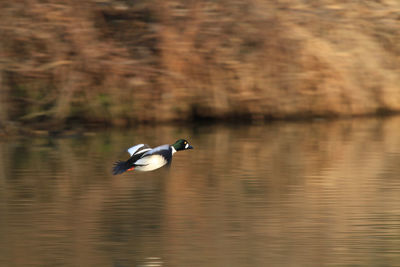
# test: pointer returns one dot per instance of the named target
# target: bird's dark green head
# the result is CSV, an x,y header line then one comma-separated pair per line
x,y
182,144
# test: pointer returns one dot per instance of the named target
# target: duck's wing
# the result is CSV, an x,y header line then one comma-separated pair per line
x,y
161,154
163,150
138,149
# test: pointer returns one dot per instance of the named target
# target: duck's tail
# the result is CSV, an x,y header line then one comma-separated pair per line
x,y
121,167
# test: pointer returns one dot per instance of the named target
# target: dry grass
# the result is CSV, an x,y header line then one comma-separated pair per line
x,y
176,60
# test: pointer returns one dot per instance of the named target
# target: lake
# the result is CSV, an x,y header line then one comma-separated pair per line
x,y
318,193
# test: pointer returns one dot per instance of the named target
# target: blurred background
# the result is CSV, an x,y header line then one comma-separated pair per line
x,y
123,62
282,100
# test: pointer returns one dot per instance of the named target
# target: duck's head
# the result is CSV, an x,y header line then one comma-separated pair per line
x,y
182,144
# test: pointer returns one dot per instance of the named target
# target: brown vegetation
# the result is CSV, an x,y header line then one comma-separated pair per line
x,y
120,62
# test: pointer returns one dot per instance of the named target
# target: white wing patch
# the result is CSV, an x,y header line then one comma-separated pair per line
x,y
150,163
133,150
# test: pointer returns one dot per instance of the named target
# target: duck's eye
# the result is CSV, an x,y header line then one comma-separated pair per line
x,y
185,142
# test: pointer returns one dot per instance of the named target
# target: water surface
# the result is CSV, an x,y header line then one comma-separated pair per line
x,y
284,194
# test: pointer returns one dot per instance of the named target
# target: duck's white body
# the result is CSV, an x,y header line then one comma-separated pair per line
x,y
154,158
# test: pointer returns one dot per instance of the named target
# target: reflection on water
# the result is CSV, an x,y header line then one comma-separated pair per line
x,y
285,194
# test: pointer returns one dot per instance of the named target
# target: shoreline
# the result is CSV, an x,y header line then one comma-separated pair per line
x,y
9,129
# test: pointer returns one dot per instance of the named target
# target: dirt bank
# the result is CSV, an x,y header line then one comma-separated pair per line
x,y
120,63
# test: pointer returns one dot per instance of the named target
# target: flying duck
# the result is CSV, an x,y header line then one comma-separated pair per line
x,y
144,158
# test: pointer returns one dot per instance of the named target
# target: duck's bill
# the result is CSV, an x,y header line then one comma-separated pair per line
x,y
189,147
